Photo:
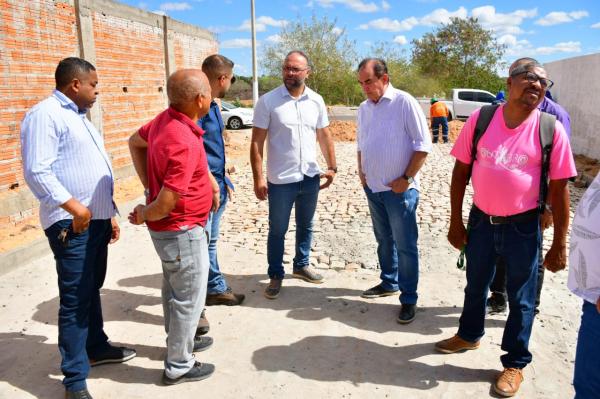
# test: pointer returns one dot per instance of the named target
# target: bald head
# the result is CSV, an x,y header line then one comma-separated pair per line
x,y
523,64
184,86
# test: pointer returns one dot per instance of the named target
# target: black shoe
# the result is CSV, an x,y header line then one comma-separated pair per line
x,y
407,313
114,354
203,325
199,372
83,394
496,303
202,343
377,291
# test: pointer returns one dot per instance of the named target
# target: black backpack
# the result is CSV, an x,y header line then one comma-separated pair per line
x,y
547,126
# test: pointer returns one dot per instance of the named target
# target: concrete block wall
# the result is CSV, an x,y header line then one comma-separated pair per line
x,y
577,88
133,50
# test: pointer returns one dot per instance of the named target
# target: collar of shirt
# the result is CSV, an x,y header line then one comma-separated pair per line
x,y
388,95
173,113
285,93
66,102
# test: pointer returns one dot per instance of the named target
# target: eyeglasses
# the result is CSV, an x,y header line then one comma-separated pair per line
x,y
532,78
293,70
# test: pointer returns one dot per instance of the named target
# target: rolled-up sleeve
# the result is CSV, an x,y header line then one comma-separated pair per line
x,y
40,141
416,125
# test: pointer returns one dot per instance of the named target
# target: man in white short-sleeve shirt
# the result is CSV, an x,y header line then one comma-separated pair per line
x,y
393,142
292,119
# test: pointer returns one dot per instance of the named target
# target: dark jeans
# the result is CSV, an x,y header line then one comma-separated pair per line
x,y
518,244
435,128
498,285
81,268
394,218
587,358
216,281
303,196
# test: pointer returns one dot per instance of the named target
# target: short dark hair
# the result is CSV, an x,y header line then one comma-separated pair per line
x,y
71,68
217,65
379,66
300,53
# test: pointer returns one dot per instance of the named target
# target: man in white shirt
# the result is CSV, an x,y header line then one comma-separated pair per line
x,y
393,142
292,119
584,281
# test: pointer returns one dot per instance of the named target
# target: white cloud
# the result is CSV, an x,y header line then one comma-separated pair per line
x,y
508,40
337,31
355,5
273,39
236,43
385,5
519,48
442,16
175,6
596,26
401,40
390,25
502,23
261,24
561,17
564,47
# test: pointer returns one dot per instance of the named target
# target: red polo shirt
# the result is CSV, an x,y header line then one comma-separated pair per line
x,y
177,161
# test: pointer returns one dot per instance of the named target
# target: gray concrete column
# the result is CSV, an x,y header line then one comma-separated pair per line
x,y
87,50
170,65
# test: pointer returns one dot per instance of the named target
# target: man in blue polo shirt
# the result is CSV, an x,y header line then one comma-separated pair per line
x,y
219,70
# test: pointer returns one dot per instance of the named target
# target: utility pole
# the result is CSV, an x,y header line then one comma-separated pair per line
x,y
254,71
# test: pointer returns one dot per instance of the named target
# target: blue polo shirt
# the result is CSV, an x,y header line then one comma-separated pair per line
x,y
214,145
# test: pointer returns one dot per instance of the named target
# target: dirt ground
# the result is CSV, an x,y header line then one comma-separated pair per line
x,y
15,235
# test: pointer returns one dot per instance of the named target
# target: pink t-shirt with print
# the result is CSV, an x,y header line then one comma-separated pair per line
x,y
506,173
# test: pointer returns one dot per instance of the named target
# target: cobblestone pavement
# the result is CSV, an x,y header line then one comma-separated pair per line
x,y
343,236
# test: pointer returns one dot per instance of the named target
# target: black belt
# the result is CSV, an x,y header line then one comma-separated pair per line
x,y
518,218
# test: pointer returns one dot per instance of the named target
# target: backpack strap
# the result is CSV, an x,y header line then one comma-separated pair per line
x,y
547,126
486,114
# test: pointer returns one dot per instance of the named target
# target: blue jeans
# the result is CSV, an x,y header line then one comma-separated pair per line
x,y
303,195
81,268
184,258
394,217
216,281
518,245
587,358
435,128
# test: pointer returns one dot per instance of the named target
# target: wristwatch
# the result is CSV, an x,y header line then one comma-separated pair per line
x,y
334,168
410,179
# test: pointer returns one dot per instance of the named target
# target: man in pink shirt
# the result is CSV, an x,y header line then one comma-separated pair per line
x,y
169,157
504,221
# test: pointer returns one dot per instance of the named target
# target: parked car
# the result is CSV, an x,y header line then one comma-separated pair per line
x,y
463,103
236,117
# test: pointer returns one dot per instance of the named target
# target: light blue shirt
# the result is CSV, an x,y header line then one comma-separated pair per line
x,y
389,133
291,125
63,158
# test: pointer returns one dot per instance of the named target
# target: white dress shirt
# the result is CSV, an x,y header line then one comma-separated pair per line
x,y
63,158
291,125
389,132
584,254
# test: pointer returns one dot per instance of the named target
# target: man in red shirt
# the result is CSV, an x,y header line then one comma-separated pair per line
x,y
168,156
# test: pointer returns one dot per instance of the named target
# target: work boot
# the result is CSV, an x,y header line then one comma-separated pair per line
x,y
508,382
227,298
203,325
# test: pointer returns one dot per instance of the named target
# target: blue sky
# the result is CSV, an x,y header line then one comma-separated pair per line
x,y
547,30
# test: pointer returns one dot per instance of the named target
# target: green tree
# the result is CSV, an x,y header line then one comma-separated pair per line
x,y
331,54
460,54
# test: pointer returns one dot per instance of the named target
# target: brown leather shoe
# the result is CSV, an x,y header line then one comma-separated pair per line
x,y
203,325
508,382
307,273
227,298
272,290
455,344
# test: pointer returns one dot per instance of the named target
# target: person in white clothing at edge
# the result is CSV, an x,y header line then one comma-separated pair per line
x,y
292,119
584,281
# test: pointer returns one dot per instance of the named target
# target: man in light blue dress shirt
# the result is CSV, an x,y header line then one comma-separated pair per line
x,y
393,141
68,170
